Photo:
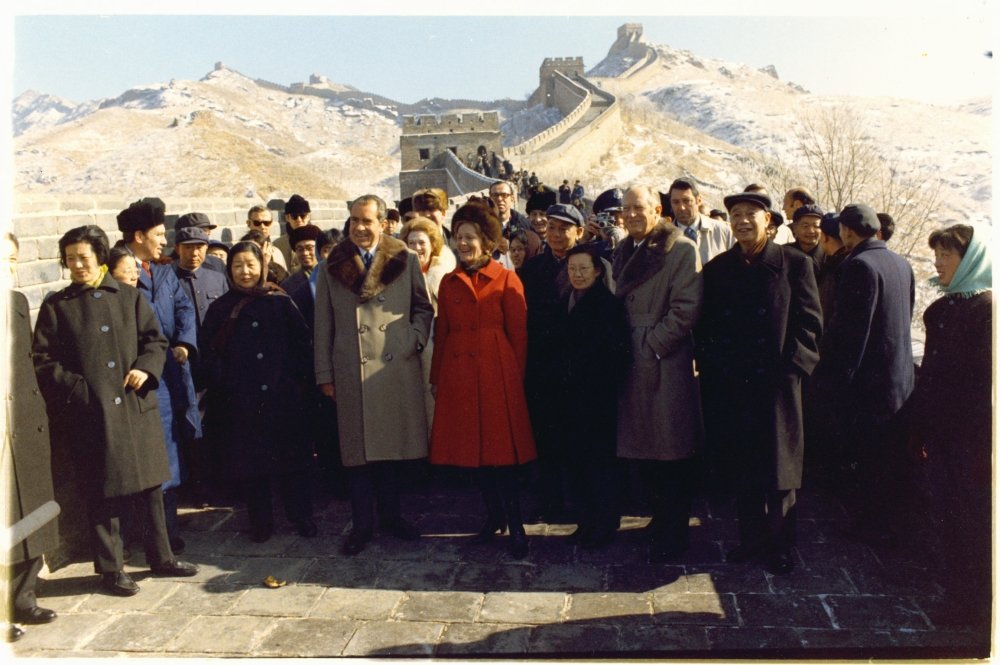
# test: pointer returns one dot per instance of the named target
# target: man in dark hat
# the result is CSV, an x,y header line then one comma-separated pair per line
x,y
757,338
144,234
392,222
303,241
711,236
201,221
867,369
537,204
565,192
806,229
606,226
203,288
297,213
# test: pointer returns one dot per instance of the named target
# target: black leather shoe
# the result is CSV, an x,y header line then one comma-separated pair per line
x,y
175,568
489,529
780,564
119,584
14,633
743,553
35,615
356,541
401,529
306,528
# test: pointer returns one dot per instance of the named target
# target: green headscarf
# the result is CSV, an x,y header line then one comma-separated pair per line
x,y
975,272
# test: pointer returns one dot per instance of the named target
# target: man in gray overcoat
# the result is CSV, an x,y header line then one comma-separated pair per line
x,y
372,321
658,275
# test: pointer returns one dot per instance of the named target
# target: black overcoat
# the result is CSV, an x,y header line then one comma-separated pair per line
x,y
756,339
26,461
257,356
86,340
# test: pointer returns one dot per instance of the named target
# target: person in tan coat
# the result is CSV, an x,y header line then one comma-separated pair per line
x,y
372,321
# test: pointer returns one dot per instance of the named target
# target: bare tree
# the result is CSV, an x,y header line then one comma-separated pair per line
x,y
841,159
913,199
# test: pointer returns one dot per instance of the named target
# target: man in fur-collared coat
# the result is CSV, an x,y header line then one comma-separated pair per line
x,y
658,275
372,321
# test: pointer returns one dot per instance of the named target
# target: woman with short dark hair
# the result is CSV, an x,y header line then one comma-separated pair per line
x,y
480,349
952,417
98,357
257,366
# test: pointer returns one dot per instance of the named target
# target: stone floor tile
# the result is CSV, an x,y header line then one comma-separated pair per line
x,y
349,603
641,638
196,599
485,577
253,570
570,578
573,640
839,553
292,600
754,642
415,575
239,544
815,579
688,608
212,569
636,579
789,610
446,606
844,643
68,632
627,549
408,638
876,612
505,607
149,596
483,640
307,638
325,545
345,572
726,578
229,635
893,580
140,632
584,606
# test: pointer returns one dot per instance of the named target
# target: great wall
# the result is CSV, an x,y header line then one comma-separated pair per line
x,y
433,149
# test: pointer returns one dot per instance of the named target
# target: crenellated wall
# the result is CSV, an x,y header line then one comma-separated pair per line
x,y
424,137
39,222
570,90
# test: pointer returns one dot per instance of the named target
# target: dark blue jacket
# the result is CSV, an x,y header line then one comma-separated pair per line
x,y
866,358
203,287
176,396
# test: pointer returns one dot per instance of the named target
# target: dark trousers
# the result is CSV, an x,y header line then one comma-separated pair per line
x,y
22,577
669,488
879,473
105,523
767,520
294,490
595,486
374,485
501,494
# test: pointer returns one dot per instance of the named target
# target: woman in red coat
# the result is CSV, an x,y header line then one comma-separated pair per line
x,y
480,347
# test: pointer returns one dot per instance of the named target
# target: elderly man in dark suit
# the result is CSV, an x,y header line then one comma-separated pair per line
x,y
867,367
757,339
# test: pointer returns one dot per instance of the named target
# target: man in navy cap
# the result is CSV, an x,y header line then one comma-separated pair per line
x,y
202,288
297,213
757,339
201,221
867,368
806,229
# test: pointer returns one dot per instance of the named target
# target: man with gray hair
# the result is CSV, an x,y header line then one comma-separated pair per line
x,y
372,321
657,273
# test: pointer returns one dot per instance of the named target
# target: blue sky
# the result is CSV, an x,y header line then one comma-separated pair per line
x,y
899,53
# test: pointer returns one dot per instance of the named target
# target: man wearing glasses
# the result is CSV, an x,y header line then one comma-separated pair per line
x,y
503,198
259,219
297,215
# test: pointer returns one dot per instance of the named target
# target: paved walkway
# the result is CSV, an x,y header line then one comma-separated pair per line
x,y
443,597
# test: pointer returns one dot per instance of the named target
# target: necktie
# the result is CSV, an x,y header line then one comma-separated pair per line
x,y
691,233
145,269
367,258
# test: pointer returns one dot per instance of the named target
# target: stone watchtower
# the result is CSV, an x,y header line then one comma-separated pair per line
x,y
570,67
425,137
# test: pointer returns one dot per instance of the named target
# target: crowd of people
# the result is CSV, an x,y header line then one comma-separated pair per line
x,y
567,359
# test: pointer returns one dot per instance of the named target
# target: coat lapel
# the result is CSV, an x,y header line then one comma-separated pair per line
x,y
640,265
344,264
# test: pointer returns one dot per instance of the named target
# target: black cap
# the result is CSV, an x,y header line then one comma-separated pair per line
x,y
219,243
830,225
761,200
807,210
861,219
611,200
565,213
307,232
296,205
540,200
198,219
777,219
191,235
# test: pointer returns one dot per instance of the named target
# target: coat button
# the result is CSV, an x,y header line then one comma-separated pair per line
x,y
387,357
761,312
111,364
118,400
362,328
381,298
263,388
41,428
259,356
364,359
105,328
382,327
98,295
254,324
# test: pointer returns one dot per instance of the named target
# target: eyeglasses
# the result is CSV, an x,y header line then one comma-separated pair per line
x,y
261,222
500,195
297,215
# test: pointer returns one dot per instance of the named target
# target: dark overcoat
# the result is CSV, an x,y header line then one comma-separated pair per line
x,y
867,357
178,403
480,347
757,338
299,290
660,283
26,452
256,353
85,341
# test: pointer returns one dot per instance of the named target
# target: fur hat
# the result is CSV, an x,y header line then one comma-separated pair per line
x,y
140,216
540,201
296,205
485,220
307,232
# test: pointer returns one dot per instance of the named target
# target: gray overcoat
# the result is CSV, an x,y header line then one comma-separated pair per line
x,y
370,329
659,410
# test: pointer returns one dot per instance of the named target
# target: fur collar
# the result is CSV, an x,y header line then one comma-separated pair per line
x,y
344,265
632,267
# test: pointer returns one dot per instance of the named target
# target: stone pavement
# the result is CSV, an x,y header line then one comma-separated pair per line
x,y
443,597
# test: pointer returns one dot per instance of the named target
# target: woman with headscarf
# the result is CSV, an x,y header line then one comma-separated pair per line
x,y
952,416
258,372
480,349
99,354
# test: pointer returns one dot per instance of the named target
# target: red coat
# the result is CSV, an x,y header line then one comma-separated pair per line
x,y
480,349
